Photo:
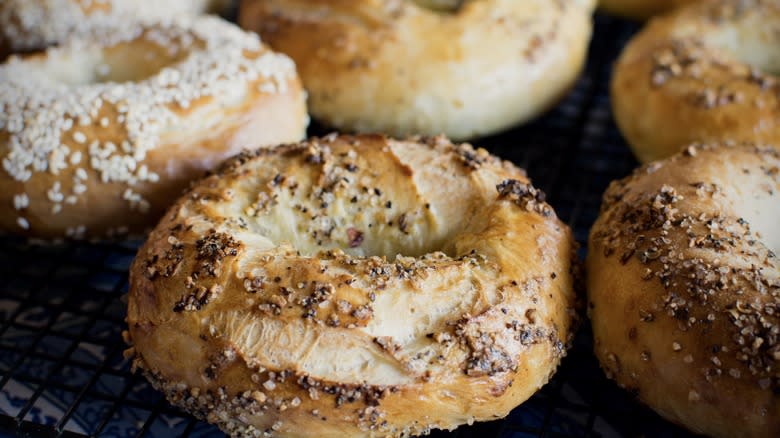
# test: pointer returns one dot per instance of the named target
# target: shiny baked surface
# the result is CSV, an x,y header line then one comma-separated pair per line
x,y
684,288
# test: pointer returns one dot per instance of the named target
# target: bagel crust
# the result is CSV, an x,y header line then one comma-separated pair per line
x,y
707,72
99,135
334,286
640,9
28,25
684,288
465,69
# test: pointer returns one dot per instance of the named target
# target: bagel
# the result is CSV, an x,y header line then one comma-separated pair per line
x,y
409,67
29,25
333,286
684,288
707,72
101,134
640,9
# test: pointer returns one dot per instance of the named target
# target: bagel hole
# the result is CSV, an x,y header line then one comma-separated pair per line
x,y
123,63
365,203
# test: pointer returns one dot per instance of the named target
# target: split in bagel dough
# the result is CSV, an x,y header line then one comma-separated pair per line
x,y
465,69
356,286
684,288
707,72
100,134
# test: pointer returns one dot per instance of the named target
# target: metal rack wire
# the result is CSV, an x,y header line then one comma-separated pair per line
x,y
61,307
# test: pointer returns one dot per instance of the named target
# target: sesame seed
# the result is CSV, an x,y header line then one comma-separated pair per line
x,y
22,222
54,193
676,346
21,201
693,396
79,137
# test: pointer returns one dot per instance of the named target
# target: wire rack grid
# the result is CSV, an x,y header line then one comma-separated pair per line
x,y
62,373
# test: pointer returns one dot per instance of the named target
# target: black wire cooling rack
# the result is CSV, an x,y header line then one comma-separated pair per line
x,y
62,307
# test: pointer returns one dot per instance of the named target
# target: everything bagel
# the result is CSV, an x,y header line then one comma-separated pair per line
x,y
334,286
707,72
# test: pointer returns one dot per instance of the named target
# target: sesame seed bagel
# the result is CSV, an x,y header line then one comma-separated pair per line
x,y
462,68
706,72
28,25
333,286
684,288
100,135
640,9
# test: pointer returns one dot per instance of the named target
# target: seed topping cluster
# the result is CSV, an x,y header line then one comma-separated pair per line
x,y
35,24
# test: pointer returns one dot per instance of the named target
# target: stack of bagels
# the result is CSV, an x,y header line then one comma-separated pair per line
x,y
390,281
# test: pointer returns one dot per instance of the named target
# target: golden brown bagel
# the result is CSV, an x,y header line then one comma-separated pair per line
x,y
402,68
335,286
706,72
101,134
684,288
640,9
27,25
